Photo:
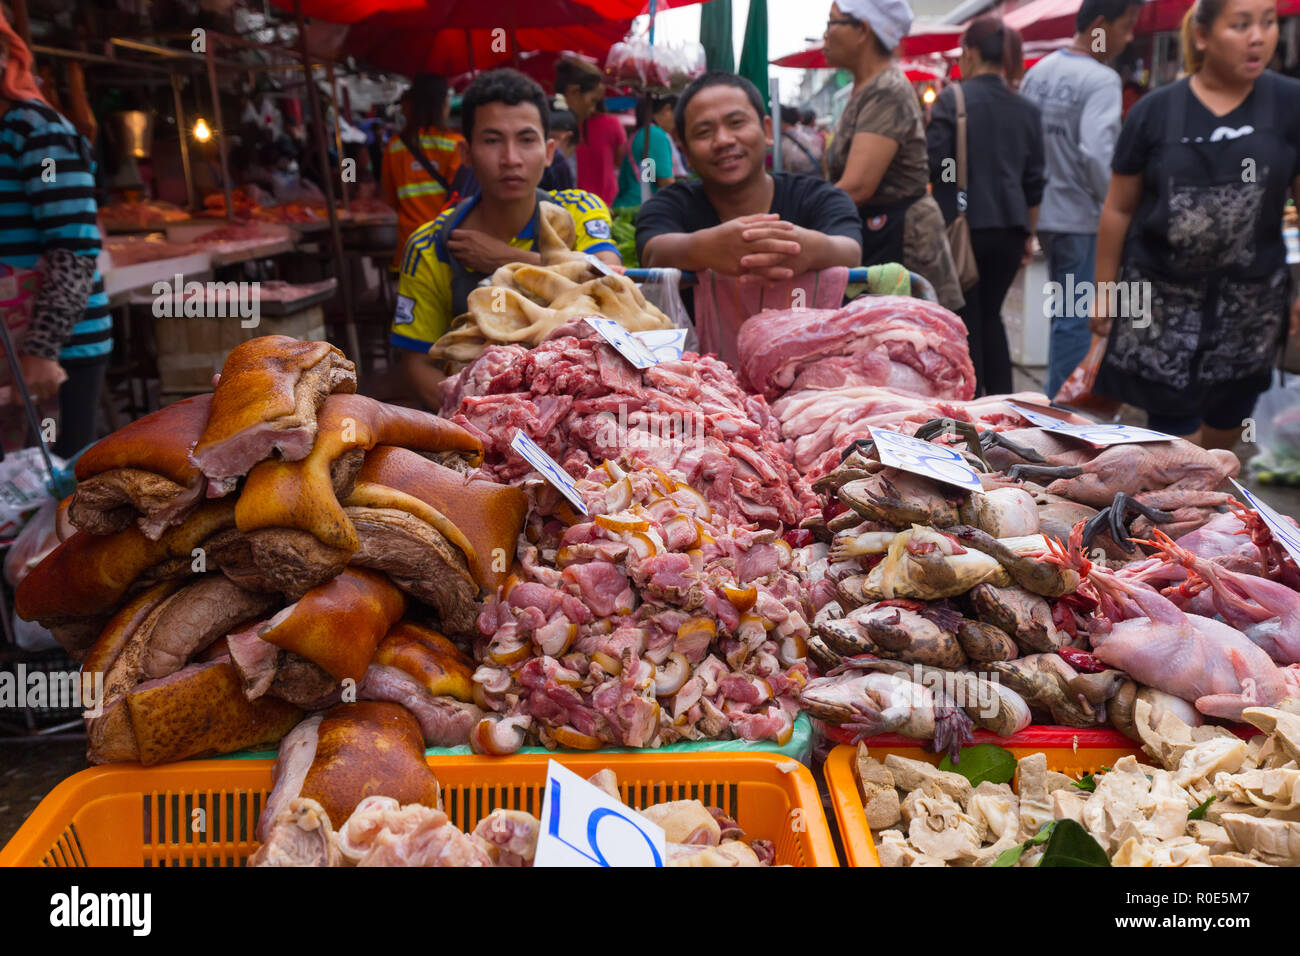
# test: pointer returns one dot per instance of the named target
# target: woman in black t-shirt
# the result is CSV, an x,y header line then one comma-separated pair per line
x,y
1192,229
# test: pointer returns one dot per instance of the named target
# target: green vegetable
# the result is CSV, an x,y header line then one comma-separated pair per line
x,y
624,235
1072,845
982,762
1012,856
1089,780
1199,812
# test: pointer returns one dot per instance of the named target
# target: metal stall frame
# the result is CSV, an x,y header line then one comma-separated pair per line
x,y
211,64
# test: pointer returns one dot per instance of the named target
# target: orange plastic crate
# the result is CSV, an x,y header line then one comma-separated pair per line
x,y
846,798
127,815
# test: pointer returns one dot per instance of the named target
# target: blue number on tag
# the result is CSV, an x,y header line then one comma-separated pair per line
x,y
935,458
593,824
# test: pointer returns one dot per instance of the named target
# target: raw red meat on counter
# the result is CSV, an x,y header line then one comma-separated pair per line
x,y
582,403
887,340
659,620
818,424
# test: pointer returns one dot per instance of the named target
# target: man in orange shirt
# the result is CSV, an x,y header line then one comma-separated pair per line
x,y
421,163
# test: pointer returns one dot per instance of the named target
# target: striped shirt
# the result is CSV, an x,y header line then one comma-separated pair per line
x,y
408,187
47,202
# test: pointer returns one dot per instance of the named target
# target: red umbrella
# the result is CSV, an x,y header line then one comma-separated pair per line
x,y
393,43
1044,19
810,59
474,13
926,38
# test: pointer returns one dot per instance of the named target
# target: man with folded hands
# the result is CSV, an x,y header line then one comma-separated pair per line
x,y
738,220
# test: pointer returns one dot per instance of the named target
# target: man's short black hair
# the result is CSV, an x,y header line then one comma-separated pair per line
x,y
502,86
563,121
714,78
1108,10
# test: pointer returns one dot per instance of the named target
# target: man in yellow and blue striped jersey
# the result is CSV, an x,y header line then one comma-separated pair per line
x,y
506,122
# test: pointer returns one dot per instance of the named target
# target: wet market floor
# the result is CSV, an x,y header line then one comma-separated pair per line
x,y
31,768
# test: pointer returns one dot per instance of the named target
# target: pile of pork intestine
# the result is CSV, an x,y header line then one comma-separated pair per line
x,y
684,624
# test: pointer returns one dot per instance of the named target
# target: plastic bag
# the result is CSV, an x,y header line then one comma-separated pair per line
x,y
669,66
663,290
1076,392
37,539
1277,434
22,489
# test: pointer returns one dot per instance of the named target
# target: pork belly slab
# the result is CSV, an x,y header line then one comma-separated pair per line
x,y
265,404
142,473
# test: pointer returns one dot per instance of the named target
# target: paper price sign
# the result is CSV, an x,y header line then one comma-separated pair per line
x,y
1093,434
584,826
600,266
1287,534
666,344
925,458
548,469
627,344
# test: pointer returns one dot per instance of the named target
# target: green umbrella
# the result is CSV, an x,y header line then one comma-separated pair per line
x,y
753,55
715,36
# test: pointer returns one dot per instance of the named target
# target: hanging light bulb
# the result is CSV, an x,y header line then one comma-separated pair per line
x,y
202,132
928,96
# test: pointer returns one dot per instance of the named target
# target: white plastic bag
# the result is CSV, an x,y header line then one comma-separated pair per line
x,y
663,290
22,489
37,539
1277,433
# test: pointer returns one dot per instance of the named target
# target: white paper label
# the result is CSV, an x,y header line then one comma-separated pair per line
x,y
667,344
548,468
1287,534
600,265
1093,434
925,458
628,345
584,826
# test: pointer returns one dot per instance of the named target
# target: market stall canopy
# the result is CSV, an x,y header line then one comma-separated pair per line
x,y
1034,51
474,13
1044,19
924,38
400,44
812,59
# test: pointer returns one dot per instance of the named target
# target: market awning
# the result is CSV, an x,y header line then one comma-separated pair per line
x,y
1044,19
393,42
476,13
924,38
812,59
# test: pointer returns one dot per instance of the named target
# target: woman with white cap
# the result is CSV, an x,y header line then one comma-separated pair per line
x,y
879,154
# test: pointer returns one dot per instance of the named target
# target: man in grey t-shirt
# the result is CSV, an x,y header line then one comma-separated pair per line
x,y
1079,97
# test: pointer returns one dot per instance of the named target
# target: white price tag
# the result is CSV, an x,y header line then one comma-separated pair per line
x,y
667,344
627,344
548,468
600,265
925,458
584,826
1093,434
1287,534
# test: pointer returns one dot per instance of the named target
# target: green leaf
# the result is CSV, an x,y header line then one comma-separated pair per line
x,y
1199,812
1043,834
983,762
1072,845
1088,782
1010,857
